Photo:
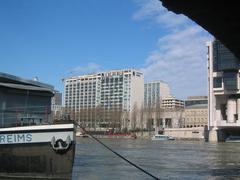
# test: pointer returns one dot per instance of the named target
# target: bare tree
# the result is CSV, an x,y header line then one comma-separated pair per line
x,y
125,120
157,115
151,116
141,118
134,115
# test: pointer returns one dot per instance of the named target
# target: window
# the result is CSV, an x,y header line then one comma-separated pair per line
x,y
230,80
217,82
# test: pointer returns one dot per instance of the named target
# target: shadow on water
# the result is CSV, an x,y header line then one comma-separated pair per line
x,y
165,159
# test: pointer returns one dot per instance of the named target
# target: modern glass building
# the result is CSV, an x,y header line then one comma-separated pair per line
x,y
196,100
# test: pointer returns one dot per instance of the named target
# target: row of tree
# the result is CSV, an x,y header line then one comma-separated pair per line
x,y
142,118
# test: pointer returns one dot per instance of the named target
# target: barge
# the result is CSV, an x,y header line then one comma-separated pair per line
x,y
32,146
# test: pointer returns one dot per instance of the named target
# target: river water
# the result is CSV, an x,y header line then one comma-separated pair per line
x,y
164,159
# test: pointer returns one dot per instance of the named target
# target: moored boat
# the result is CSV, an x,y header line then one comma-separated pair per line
x,y
234,139
44,151
162,137
32,146
81,134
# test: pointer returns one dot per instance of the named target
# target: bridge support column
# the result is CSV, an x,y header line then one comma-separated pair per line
x,y
216,135
213,135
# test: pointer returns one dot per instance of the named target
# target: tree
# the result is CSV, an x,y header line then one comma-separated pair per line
x,y
134,115
149,116
141,118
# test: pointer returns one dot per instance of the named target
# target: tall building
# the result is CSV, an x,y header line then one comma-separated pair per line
x,y
154,92
224,94
121,89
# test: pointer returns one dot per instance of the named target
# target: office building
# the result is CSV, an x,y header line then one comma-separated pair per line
x,y
196,111
224,94
154,92
172,103
196,100
115,89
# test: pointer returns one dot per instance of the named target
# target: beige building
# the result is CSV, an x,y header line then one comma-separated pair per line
x,y
196,115
159,118
171,103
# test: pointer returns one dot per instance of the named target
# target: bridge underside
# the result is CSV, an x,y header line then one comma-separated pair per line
x,y
220,18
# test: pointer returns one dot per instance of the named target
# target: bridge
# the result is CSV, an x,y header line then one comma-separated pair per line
x,y
220,18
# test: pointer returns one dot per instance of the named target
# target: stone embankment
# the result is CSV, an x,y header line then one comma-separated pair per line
x,y
196,133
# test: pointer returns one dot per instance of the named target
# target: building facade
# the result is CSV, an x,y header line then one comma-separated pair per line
x,y
112,91
196,115
154,92
172,103
224,94
196,100
196,111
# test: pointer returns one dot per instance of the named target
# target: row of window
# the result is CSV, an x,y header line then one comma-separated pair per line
x,y
229,80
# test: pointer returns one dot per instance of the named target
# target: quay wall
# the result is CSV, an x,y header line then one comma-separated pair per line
x,y
195,133
145,134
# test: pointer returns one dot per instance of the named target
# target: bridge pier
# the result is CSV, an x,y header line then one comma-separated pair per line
x,y
216,135
213,135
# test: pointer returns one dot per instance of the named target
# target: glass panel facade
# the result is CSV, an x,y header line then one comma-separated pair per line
x,y
195,102
230,80
223,58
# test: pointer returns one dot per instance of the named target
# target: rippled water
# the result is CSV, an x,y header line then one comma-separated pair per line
x,y
164,159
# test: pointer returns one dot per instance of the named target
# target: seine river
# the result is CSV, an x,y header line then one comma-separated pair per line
x,y
164,159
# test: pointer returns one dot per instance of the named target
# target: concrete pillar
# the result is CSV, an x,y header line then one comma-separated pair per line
x,y
231,110
213,135
164,122
238,108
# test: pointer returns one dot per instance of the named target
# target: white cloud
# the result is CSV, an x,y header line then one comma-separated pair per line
x,y
153,10
88,69
180,56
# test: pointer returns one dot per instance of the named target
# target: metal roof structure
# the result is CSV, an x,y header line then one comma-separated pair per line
x,y
14,82
8,78
24,87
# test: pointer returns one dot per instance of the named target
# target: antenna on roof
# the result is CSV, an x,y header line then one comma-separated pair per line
x,y
35,78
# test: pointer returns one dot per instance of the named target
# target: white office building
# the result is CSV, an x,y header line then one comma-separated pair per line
x,y
122,89
154,92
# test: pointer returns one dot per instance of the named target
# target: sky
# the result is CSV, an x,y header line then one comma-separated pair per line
x,y
55,39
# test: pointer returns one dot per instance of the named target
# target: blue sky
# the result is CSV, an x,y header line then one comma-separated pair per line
x,y
59,38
